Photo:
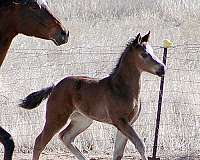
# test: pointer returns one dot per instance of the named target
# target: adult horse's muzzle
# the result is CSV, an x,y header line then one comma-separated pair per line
x,y
161,71
61,37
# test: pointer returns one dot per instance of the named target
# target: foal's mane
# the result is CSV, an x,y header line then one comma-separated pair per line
x,y
128,48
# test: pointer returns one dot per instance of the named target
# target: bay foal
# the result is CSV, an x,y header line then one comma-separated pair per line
x,y
112,100
31,18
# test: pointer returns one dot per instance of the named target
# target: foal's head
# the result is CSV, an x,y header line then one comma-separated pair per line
x,y
144,58
33,18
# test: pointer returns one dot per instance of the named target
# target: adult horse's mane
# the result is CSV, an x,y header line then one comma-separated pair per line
x,y
9,2
5,2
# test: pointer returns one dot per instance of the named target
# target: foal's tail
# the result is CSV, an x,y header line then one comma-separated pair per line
x,y
34,99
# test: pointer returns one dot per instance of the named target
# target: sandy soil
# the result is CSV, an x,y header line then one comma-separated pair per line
x,y
68,156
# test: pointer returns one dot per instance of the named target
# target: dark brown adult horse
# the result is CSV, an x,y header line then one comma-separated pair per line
x,y
32,18
113,100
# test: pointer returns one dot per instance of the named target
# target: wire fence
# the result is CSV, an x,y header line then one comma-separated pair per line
x,y
27,70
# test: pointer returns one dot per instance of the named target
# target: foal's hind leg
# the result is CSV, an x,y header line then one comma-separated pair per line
x,y
50,129
54,122
78,124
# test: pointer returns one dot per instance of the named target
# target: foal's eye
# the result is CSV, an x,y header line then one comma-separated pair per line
x,y
144,55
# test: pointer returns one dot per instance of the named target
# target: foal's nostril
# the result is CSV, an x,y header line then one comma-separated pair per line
x,y
161,71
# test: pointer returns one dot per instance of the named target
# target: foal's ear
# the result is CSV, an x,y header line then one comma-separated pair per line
x,y
146,37
138,39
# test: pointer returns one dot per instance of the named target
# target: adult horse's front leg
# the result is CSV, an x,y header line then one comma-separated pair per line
x,y
126,129
3,50
8,143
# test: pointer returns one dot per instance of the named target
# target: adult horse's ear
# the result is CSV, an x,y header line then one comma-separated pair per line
x,y
138,39
22,2
146,37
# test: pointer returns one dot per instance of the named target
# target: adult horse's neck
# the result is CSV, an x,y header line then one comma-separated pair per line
x,y
125,78
6,32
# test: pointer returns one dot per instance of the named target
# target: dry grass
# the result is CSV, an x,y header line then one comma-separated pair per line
x,y
98,31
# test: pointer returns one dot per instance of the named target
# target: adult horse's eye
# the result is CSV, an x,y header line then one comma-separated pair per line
x,y
34,6
144,55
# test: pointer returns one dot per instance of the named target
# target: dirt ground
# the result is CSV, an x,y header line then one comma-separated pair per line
x,y
68,156
62,156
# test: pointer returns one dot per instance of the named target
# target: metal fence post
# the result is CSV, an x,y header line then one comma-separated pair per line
x,y
155,146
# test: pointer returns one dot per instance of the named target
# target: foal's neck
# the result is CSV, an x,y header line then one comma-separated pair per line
x,y
6,35
125,79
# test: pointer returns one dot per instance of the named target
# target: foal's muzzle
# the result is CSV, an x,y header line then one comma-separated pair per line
x,y
61,37
161,71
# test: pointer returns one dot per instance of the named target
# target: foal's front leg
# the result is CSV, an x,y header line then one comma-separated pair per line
x,y
121,139
125,128
120,143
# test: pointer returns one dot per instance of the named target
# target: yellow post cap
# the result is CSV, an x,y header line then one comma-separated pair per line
x,y
167,43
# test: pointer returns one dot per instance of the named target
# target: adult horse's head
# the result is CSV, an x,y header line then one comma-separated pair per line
x,y
144,57
34,18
